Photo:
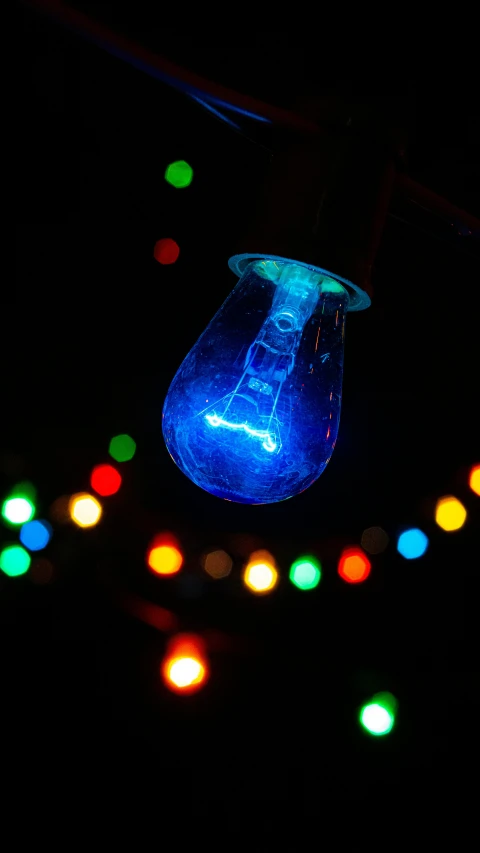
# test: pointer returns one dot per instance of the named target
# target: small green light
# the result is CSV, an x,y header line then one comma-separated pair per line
x,y
179,174
18,510
305,573
378,715
14,560
122,448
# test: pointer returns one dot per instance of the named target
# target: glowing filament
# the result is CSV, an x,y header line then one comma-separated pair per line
x,y
268,443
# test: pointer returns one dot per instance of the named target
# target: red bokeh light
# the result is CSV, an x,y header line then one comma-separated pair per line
x,y
354,565
166,251
105,480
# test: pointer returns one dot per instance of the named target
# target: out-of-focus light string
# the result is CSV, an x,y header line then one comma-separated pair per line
x,y
165,557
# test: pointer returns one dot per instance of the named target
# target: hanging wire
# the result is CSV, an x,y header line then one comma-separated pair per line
x,y
216,98
195,86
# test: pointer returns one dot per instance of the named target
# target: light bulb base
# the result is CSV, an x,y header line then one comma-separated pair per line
x,y
323,205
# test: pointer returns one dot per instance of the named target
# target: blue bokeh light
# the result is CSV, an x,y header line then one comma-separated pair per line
x,y
252,414
412,543
35,535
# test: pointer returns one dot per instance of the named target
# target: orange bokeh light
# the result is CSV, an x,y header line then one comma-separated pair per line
x,y
474,479
218,564
184,668
354,565
165,559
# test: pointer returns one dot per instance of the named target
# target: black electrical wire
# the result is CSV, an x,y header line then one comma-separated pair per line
x,y
217,99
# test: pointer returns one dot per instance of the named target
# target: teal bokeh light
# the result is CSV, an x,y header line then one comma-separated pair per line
x,y
412,544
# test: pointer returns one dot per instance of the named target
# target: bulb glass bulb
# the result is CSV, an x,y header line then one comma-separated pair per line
x,y
252,414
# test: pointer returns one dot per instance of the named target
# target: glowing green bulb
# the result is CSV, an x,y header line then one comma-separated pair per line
x,y
18,509
378,715
122,448
179,174
14,560
305,573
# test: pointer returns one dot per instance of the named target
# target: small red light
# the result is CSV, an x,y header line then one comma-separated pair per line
x,y
105,480
166,251
354,565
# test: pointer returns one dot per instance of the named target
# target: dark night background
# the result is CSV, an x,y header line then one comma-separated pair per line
x,y
92,333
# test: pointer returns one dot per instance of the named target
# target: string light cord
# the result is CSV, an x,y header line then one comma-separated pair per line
x,y
204,91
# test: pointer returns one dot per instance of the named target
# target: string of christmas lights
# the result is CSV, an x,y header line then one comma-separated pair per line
x,y
164,556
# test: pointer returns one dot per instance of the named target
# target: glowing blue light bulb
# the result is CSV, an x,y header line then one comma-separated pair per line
x,y
252,414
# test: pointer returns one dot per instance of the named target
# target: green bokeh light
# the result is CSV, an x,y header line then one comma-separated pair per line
x,y
122,448
378,715
179,174
305,573
18,509
14,560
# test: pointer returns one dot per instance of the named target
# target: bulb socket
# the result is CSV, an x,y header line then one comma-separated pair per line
x,y
324,205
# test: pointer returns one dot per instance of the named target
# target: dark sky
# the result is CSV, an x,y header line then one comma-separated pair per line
x,y
93,331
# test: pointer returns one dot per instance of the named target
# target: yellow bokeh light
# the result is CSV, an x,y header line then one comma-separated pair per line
x,y
260,574
165,559
85,510
185,672
217,564
450,514
474,479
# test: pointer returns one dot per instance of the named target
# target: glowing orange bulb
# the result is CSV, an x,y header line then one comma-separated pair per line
x,y
474,479
354,565
184,668
165,559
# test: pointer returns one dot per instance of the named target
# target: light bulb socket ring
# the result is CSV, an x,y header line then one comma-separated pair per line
x,y
358,298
